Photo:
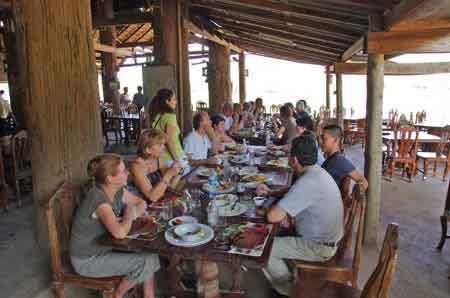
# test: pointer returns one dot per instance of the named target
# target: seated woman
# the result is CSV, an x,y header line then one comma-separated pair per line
x,y
150,174
110,208
218,124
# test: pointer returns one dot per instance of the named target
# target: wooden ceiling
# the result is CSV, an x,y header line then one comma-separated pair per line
x,y
310,31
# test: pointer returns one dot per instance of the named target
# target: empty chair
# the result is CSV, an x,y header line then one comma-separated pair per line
x,y
441,155
21,161
110,125
201,106
403,151
377,286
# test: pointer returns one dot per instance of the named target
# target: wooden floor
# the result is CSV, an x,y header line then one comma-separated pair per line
x,y
416,207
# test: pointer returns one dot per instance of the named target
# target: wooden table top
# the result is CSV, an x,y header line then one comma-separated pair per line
x,y
424,137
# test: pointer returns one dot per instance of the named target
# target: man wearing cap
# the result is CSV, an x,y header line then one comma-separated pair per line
x,y
315,205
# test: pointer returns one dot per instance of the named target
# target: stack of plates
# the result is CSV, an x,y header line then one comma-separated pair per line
x,y
189,235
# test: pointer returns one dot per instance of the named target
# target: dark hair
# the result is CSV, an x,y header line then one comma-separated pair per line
x,y
159,105
304,148
139,87
285,111
216,119
2,91
305,122
196,120
334,130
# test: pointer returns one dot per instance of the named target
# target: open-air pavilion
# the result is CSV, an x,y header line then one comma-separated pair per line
x,y
54,51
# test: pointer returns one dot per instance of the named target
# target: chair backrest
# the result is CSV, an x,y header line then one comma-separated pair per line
x,y
443,144
60,209
21,151
361,124
359,195
201,106
345,191
380,281
133,109
351,215
405,145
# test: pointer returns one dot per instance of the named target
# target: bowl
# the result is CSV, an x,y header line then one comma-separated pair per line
x,y
189,232
259,201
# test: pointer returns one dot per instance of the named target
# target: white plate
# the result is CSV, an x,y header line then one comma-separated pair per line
x,y
185,219
208,236
206,188
252,185
247,171
238,210
225,200
204,172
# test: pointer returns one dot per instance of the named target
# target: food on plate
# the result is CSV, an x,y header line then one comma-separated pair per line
x,y
250,237
278,163
255,178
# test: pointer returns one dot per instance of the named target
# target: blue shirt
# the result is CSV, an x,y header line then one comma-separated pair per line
x,y
338,167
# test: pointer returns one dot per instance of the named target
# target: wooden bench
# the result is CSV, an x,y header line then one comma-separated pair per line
x,y
344,266
60,209
377,286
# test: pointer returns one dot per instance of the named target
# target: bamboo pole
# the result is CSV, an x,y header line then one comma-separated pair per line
x,y
339,103
242,79
328,84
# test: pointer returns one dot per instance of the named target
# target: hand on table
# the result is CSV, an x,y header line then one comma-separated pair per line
x,y
262,190
212,161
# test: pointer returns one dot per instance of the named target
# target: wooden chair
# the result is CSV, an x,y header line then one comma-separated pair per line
x,y
439,156
21,161
3,185
349,132
404,151
109,125
344,266
360,134
201,106
445,218
377,286
60,209
274,109
345,192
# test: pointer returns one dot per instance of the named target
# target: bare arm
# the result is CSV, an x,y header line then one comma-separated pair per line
x,y
358,178
214,139
118,229
276,214
201,162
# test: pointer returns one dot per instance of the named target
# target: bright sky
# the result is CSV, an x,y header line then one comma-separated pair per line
x,y
278,81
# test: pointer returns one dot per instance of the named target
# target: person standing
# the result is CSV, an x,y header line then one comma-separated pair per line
x,y
163,117
125,97
5,113
139,99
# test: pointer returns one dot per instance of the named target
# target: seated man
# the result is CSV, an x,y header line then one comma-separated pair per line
x,y
218,124
197,143
336,164
314,202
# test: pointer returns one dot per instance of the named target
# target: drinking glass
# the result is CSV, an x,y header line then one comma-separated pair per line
x,y
166,211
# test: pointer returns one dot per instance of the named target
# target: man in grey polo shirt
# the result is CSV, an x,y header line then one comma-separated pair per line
x,y
315,204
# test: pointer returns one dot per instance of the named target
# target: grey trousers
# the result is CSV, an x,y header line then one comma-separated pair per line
x,y
277,271
136,267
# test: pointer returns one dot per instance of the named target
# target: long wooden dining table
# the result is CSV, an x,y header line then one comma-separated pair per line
x,y
208,255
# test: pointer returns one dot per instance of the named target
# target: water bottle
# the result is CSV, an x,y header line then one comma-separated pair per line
x,y
267,138
213,213
245,146
212,185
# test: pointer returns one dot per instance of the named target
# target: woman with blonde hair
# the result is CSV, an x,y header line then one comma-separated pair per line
x,y
110,208
150,175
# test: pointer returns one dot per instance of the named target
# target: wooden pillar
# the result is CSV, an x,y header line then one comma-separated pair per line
x,y
186,102
16,88
339,101
168,50
219,81
242,75
54,39
327,87
373,153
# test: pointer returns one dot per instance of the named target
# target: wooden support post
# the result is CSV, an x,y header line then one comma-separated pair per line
x,y
61,97
373,153
109,69
219,81
327,87
186,101
339,101
242,75
168,50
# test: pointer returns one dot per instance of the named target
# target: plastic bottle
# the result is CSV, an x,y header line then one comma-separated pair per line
x,y
212,185
268,139
213,213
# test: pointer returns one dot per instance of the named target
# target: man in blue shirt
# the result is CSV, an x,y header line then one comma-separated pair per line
x,y
336,164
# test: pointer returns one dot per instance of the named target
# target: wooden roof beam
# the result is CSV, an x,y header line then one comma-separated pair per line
x,y
402,42
304,40
133,33
357,47
148,43
417,9
251,13
391,68
207,35
283,24
369,5
292,10
122,20
110,49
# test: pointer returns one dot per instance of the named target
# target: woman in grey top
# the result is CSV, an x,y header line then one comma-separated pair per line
x,y
110,208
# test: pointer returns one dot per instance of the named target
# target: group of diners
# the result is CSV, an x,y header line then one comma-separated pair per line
x,y
116,198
